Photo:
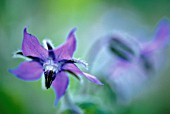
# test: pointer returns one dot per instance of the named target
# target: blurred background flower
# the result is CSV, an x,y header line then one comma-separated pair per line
x,y
52,19
134,62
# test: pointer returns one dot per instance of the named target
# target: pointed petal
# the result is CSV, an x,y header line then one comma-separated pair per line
x,y
32,47
74,69
92,79
60,85
28,71
66,50
162,34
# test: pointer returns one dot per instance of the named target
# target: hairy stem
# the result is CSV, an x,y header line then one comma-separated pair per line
x,y
75,109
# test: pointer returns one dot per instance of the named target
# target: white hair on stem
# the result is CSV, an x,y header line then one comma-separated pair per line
x,y
82,62
43,82
15,55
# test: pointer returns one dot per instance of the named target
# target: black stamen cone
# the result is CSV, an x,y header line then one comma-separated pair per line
x,y
49,77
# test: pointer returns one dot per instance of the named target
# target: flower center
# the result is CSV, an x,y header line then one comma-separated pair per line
x,y
50,70
50,65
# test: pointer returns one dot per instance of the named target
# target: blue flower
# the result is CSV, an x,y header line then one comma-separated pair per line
x,y
129,77
135,60
54,63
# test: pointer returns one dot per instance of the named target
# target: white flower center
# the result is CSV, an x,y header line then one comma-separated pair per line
x,y
50,65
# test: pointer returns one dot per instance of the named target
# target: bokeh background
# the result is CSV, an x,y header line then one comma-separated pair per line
x,y
53,19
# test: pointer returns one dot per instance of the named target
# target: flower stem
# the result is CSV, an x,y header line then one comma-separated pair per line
x,y
75,109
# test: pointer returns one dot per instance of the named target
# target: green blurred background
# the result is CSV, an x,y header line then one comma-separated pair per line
x,y
53,19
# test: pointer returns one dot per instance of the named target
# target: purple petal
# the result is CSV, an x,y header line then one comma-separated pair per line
x,y
74,69
161,36
28,71
66,50
60,85
92,79
127,80
32,47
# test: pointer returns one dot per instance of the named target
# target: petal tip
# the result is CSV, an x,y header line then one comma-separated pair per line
x,y
72,32
93,79
10,71
164,20
99,83
25,29
13,72
56,102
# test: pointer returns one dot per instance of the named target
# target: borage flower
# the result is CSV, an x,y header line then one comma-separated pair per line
x,y
128,78
135,61
54,63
